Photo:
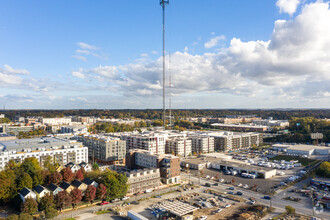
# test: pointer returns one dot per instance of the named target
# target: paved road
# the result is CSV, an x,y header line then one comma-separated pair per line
x,y
277,201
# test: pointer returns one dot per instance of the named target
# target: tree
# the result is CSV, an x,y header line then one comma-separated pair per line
x,y
50,164
25,216
90,193
8,185
101,191
324,170
55,178
51,213
38,179
76,196
46,202
67,174
62,200
116,184
290,210
79,175
30,206
31,166
83,171
95,166
25,181
12,217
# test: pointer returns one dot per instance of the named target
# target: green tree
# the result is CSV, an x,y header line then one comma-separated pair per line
x,y
31,166
290,210
95,166
50,164
47,204
25,216
25,181
115,183
8,185
324,170
30,206
12,217
38,179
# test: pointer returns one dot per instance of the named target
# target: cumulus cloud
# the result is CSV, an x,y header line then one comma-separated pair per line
x,y
86,46
288,6
11,76
296,56
213,41
78,75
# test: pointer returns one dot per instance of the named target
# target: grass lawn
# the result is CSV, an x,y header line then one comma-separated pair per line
x,y
102,212
303,161
70,219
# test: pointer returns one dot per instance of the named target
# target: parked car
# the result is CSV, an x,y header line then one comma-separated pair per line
x,y
125,198
231,192
104,203
267,197
239,193
216,184
231,188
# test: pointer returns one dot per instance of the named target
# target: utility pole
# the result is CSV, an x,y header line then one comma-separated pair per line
x,y
163,3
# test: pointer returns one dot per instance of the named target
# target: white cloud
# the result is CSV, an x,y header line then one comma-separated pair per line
x,y
214,41
78,75
186,49
79,57
86,46
10,76
154,52
288,6
296,56
144,55
9,70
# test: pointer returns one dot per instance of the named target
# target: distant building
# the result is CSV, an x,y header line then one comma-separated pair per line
x,y
74,129
302,149
150,141
2,116
105,149
169,165
241,127
179,146
231,141
271,123
6,128
62,150
56,121
202,144
7,137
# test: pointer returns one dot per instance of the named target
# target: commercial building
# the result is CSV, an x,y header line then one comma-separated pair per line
x,y
241,167
271,123
241,127
179,146
169,165
105,149
7,128
62,150
143,179
202,144
197,163
302,149
74,129
7,137
150,141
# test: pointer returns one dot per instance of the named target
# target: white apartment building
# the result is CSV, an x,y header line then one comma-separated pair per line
x,y
202,144
150,141
62,150
179,146
56,121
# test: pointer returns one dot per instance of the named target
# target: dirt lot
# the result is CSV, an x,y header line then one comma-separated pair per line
x,y
223,215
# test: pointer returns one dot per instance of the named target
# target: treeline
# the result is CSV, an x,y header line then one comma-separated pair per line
x,y
177,113
107,127
29,174
324,170
300,131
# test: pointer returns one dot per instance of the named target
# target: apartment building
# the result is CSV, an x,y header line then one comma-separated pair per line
x,y
241,127
230,141
56,121
169,165
105,149
150,141
62,150
74,129
179,146
143,179
202,144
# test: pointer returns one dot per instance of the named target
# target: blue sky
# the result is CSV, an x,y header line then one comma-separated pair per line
x,y
107,54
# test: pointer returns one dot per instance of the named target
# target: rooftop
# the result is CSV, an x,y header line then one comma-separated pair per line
x,y
37,144
178,208
301,147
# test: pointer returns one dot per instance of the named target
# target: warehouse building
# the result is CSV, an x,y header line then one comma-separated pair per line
x,y
302,149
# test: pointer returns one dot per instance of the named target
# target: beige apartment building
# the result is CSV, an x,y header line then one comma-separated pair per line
x,y
143,179
202,144
179,146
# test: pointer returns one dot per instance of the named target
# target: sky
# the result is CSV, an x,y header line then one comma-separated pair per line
x,y
107,54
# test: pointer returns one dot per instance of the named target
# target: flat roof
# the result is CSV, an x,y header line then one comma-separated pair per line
x,y
304,147
178,208
201,160
35,143
243,165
